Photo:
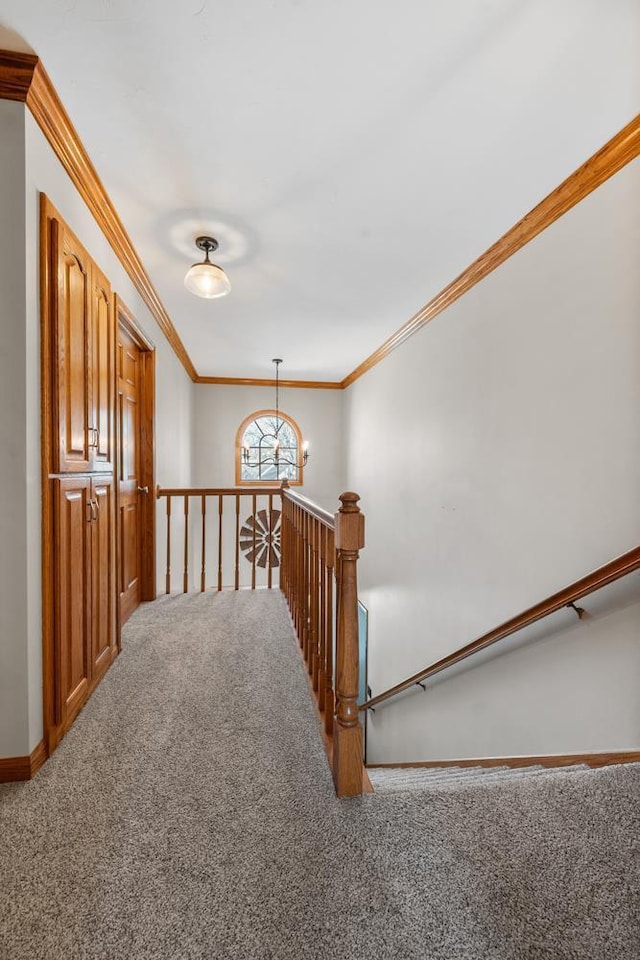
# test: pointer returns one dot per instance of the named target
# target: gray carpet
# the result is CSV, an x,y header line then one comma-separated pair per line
x,y
190,815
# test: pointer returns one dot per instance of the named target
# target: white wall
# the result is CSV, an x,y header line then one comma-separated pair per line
x,y
29,167
497,454
219,410
14,716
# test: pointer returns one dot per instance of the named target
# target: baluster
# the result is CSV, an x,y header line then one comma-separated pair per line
x,y
313,601
322,603
300,577
305,588
270,547
289,554
296,570
283,548
347,733
299,580
204,543
237,571
285,551
168,574
254,510
185,575
220,509
331,620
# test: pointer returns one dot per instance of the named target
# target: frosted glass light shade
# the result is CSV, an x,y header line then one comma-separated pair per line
x,y
207,280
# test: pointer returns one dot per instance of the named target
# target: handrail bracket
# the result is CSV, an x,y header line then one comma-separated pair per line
x,y
580,611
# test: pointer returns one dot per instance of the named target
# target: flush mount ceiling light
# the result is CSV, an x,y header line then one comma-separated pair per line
x,y
206,279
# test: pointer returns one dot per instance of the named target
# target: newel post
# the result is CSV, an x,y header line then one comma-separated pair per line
x,y
347,732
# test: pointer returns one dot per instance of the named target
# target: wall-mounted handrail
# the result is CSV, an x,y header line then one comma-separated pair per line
x,y
604,575
319,549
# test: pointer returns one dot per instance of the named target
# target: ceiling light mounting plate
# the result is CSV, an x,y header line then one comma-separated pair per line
x,y
208,244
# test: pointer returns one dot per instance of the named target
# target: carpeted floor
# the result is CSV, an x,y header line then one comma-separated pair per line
x,y
190,815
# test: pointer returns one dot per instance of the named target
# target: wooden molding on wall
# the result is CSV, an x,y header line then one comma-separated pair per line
x,y
23,78
16,74
131,324
615,154
22,768
54,122
47,292
550,760
252,382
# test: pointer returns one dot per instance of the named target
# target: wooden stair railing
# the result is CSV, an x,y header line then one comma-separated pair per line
x,y
568,597
249,529
316,549
314,555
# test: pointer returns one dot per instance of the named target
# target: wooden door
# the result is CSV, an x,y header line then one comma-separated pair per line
x,y
129,374
102,359
103,642
71,371
73,516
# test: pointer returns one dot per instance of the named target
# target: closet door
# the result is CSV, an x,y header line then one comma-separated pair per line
x,y
103,636
74,515
102,341
71,369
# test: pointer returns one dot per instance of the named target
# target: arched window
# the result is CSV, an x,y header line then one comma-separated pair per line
x,y
269,449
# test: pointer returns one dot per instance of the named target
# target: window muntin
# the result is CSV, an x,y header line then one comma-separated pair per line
x,y
259,434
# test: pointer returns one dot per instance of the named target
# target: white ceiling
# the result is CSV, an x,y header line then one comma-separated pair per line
x,y
351,156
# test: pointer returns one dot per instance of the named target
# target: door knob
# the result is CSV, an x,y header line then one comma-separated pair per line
x,y
143,489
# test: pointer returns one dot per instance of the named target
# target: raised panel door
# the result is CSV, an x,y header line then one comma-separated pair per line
x,y
73,517
102,358
71,369
102,576
128,405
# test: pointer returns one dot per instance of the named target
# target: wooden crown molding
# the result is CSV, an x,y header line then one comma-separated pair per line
x,y
53,120
23,78
251,382
16,74
615,154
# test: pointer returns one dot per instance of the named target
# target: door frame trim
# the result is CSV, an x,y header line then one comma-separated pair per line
x,y
126,319
51,732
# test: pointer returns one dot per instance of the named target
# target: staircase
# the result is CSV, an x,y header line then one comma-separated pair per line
x,y
441,779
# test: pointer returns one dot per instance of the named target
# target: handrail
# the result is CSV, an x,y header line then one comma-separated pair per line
x,y
309,506
604,575
214,491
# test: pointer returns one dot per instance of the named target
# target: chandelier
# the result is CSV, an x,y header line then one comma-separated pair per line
x,y
270,451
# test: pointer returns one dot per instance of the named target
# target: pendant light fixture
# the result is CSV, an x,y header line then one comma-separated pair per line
x,y
207,279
